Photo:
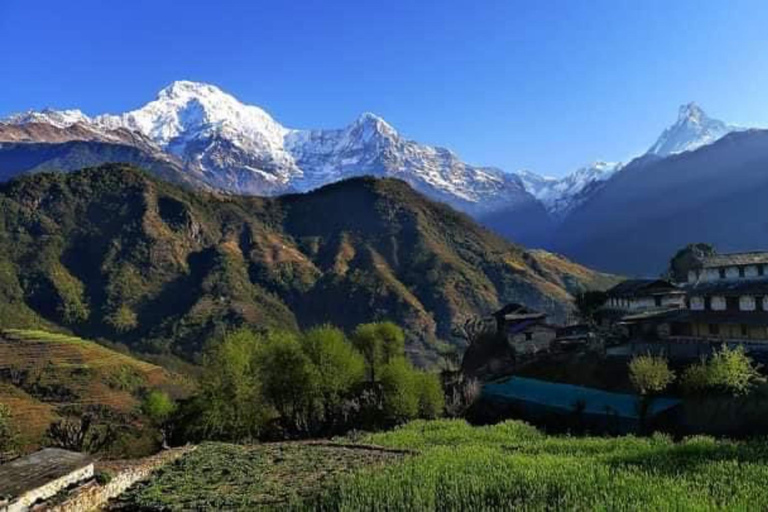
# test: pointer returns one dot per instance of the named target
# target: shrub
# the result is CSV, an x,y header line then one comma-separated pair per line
x,y
650,374
728,371
8,433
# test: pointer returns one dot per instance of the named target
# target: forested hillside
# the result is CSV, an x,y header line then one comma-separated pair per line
x,y
112,252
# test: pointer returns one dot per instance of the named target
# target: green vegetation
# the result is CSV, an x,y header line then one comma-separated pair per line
x,y
113,253
62,389
218,476
450,465
727,371
512,465
280,384
650,375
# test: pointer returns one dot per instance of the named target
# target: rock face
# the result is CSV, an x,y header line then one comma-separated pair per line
x,y
111,252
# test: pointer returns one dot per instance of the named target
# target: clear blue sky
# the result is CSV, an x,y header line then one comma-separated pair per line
x,y
543,85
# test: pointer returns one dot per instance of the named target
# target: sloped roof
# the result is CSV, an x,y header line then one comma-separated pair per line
x,y
37,469
735,259
729,287
633,287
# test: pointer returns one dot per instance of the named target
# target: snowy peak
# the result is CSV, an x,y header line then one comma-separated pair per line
x,y
185,110
560,196
57,118
692,130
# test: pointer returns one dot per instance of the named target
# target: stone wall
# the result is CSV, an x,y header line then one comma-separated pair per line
x,y
92,497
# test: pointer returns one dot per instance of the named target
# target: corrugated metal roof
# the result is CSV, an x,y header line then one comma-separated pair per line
x,y
735,259
565,397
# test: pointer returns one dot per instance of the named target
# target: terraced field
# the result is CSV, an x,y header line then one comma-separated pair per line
x,y
43,374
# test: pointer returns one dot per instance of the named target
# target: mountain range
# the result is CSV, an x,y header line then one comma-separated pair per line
x,y
197,135
113,252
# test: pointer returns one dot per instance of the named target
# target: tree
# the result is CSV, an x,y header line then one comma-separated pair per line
x,y
400,387
290,381
159,408
431,395
339,366
380,343
686,259
588,304
82,433
729,371
650,375
230,402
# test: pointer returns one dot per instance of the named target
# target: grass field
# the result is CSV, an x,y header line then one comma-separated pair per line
x,y
44,373
459,467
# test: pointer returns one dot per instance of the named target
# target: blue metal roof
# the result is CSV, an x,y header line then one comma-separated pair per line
x,y
566,396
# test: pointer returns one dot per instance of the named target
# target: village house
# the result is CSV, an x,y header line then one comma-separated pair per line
x,y
526,331
725,300
636,295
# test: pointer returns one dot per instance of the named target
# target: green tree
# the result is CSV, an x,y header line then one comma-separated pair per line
x,y
649,374
230,400
339,365
380,343
400,387
729,371
159,408
431,395
290,381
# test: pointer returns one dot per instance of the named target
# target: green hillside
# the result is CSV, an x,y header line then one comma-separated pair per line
x,y
45,375
112,253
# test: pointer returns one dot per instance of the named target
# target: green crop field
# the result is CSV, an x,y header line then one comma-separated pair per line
x,y
459,467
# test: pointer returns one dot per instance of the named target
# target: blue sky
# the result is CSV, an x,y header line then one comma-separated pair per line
x,y
542,85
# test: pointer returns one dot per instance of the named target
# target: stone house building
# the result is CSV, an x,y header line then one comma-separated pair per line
x,y
525,331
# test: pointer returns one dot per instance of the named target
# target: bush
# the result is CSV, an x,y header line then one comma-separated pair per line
x,y
728,371
649,374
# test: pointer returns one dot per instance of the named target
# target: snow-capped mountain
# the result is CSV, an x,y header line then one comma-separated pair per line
x,y
241,148
692,130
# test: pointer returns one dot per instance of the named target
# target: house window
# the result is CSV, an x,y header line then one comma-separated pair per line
x,y
714,329
528,336
744,330
741,271
657,300
760,270
722,273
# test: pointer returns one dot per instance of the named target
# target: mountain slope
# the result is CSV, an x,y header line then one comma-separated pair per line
x,y
645,213
113,252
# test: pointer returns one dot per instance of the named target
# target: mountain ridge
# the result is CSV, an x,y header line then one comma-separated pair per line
x,y
113,252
